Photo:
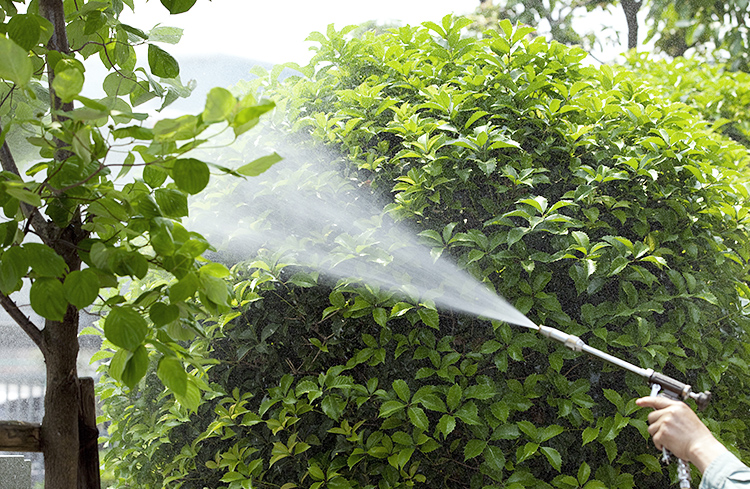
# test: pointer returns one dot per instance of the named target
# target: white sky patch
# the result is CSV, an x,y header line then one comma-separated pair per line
x,y
276,31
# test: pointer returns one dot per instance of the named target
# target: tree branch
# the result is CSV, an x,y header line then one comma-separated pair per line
x,y
32,213
23,321
631,8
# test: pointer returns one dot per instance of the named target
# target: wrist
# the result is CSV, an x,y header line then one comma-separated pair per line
x,y
705,451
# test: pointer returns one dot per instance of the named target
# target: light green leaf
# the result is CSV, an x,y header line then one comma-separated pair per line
x,y
219,105
24,30
15,64
494,458
169,35
256,167
455,394
446,425
553,456
418,418
48,298
67,84
125,327
173,375
402,390
389,408
184,289
81,287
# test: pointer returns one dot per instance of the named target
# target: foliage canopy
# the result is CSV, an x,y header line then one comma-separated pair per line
x,y
582,195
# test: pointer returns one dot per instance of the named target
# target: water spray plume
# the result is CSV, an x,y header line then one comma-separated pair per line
x,y
310,215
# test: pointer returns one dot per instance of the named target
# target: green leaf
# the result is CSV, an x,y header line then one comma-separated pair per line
x,y
389,408
418,418
178,6
125,327
402,390
68,84
24,30
162,314
494,458
469,414
190,175
184,289
219,105
527,451
446,425
590,434
169,35
256,167
172,203
173,375
15,64
553,456
474,448
81,287
13,268
380,315
161,63
44,261
48,298
455,394
136,367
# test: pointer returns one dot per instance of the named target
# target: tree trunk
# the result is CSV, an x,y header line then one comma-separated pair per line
x,y
62,400
60,442
631,8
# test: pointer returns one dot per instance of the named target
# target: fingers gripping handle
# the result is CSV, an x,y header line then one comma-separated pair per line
x,y
683,469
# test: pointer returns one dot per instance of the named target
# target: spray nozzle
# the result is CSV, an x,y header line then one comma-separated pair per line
x,y
573,342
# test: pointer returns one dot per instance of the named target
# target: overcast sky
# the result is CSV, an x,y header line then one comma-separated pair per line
x,y
275,31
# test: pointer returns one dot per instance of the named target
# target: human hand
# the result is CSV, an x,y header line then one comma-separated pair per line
x,y
675,426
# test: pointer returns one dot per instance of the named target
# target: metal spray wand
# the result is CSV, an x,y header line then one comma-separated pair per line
x,y
660,385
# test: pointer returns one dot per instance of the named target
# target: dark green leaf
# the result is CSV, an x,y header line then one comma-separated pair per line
x,y
162,314
161,63
44,261
135,367
81,288
178,6
13,268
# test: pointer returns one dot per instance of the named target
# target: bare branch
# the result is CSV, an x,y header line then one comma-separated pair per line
x,y
23,321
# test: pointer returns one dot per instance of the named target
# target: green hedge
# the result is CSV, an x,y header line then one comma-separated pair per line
x,y
580,194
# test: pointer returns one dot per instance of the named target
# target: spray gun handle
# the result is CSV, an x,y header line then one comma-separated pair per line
x,y
683,469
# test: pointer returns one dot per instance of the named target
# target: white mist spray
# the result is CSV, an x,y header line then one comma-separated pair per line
x,y
322,220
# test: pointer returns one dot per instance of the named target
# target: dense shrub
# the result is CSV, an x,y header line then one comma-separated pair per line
x,y
580,194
